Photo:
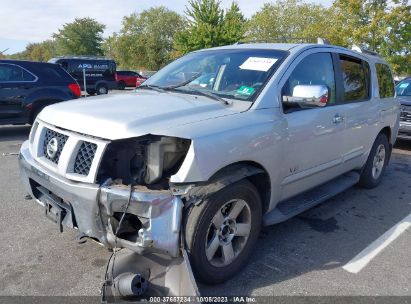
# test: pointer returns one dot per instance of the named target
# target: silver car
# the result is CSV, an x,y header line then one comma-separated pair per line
x,y
190,170
403,90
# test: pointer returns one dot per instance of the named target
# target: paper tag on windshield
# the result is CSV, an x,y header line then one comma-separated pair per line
x,y
258,64
404,85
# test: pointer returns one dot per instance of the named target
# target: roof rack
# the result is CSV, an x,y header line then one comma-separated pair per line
x,y
364,51
318,40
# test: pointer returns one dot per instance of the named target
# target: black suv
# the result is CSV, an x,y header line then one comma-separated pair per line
x,y
26,87
98,71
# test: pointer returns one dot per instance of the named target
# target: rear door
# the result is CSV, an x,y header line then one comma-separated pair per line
x,y
16,83
361,110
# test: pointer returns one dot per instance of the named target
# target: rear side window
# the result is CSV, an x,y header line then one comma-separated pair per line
x,y
355,75
385,81
14,73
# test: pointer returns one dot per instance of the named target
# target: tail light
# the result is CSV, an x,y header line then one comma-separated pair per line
x,y
75,88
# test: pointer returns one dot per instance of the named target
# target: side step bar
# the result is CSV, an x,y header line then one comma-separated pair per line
x,y
302,202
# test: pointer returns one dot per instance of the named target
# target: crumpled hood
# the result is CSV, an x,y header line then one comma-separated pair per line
x,y
135,114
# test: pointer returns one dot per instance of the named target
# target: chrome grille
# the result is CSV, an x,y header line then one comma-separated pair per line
x,y
61,141
84,158
405,114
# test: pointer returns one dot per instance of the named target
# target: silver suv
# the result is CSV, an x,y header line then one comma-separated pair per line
x,y
214,145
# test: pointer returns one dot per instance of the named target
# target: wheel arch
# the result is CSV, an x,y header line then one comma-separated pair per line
x,y
387,131
250,170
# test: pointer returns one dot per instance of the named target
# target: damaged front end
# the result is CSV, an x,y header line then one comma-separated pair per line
x,y
134,175
131,182
144,217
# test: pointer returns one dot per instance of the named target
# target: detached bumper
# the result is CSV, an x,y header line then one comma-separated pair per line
x,y
156,215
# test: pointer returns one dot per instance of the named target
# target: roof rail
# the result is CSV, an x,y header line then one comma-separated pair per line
x,y
286,39
322,41
364,51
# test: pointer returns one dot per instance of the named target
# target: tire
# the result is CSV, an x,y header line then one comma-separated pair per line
x,y
121,85
91,92
200,228
102,89
377,161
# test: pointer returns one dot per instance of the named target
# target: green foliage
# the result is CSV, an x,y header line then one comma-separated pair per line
x,y
42,51
381,26
287,21
209,26
81,37
146,39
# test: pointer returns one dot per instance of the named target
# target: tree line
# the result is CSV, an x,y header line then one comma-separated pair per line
x,y
156,36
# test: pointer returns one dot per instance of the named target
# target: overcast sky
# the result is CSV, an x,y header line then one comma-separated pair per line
x,y
24,21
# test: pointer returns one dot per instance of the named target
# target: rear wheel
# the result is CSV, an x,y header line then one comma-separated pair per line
x,y
221,232
376,163
102,89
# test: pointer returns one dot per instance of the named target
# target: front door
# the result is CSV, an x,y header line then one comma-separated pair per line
x,y
315,134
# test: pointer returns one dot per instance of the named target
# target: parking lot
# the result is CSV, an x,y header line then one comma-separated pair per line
x,y
303,256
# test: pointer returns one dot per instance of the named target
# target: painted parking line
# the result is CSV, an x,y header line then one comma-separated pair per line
x,y
365,256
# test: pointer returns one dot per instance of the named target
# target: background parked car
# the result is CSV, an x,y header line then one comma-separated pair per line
x,y
403,90
26,87
100,72
129,79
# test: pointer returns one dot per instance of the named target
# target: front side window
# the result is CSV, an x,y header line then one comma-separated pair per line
x,y
14,73
355,79
313,72
236,74
385,81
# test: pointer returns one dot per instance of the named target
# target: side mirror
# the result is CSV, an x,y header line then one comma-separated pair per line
x,y
308,96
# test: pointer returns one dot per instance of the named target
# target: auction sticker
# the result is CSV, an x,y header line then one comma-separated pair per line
x,y
258,64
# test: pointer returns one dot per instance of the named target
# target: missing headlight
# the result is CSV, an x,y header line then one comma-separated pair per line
x,y
146,160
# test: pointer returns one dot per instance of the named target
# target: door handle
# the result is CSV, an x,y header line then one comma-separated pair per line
x,y
338,119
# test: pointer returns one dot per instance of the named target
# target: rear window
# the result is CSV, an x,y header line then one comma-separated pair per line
x,y
385,81
355,79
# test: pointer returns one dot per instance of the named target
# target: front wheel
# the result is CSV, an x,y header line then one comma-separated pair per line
x,y
222,231
376,163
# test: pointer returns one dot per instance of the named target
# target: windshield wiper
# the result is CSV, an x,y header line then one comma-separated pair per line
x,y
210,95
184,83
199,92
152,87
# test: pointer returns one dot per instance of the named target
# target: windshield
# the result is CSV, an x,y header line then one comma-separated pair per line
x,y
404,88
237,73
